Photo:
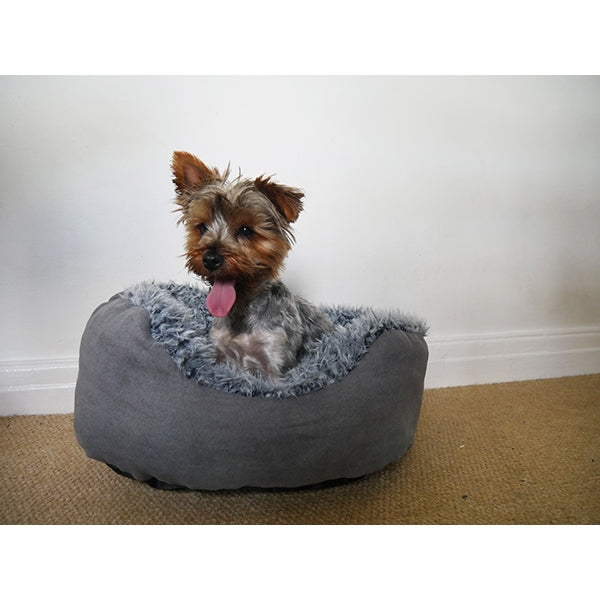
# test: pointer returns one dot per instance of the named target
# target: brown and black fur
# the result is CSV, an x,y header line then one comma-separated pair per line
x,y
240,230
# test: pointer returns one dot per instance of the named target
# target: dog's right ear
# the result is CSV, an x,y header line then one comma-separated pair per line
x,y
190,172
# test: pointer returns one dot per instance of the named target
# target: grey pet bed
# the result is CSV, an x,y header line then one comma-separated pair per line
x,y
151,402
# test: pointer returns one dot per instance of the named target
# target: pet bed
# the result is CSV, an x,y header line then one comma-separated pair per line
x,y
151,402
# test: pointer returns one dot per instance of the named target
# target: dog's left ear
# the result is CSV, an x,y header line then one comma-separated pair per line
x,y
190,172
286,199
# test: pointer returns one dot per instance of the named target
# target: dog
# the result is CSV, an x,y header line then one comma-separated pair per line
x,y
238,234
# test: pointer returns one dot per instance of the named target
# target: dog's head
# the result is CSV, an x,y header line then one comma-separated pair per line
x,y
238,231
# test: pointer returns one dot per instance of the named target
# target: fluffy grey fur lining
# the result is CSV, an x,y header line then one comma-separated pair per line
x,y
180,321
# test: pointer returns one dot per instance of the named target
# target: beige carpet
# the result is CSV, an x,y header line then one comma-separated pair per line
x,y
523,453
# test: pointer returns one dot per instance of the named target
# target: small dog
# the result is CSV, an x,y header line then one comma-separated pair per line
x,y
238,235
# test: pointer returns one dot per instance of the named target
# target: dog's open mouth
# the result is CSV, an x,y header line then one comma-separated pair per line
x,y
221,298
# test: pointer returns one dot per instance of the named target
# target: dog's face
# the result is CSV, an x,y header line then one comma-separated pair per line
x,y
237,231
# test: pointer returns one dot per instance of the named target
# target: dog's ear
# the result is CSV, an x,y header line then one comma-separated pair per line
x,y
286,199
190,172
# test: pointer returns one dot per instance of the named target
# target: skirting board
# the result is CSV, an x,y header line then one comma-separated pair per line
x,y
37,387
514,356
47,386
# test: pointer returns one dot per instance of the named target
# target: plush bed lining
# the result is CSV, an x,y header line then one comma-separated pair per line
x,y
180,321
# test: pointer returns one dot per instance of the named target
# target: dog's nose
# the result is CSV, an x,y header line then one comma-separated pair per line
x,y
212,260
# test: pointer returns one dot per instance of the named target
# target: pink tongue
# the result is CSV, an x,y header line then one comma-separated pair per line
x,y
221,298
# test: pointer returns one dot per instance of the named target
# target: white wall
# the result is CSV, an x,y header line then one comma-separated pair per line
x,y
474,202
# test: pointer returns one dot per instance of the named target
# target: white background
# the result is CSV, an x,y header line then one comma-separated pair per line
x,y
473,202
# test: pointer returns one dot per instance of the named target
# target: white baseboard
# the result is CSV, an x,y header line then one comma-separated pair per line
x,y
47,386
37,387
513,356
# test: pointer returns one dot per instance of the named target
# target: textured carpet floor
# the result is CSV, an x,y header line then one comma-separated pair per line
x,y
522,453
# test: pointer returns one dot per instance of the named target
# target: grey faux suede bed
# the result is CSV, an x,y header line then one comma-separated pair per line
x,y
150,402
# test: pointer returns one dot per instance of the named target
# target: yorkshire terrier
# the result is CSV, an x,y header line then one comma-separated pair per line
x,y
238,235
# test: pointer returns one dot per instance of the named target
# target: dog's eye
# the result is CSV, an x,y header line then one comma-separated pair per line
x,y
245,232
202,228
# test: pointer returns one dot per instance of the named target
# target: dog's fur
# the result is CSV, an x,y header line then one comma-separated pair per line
x,y
238,235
